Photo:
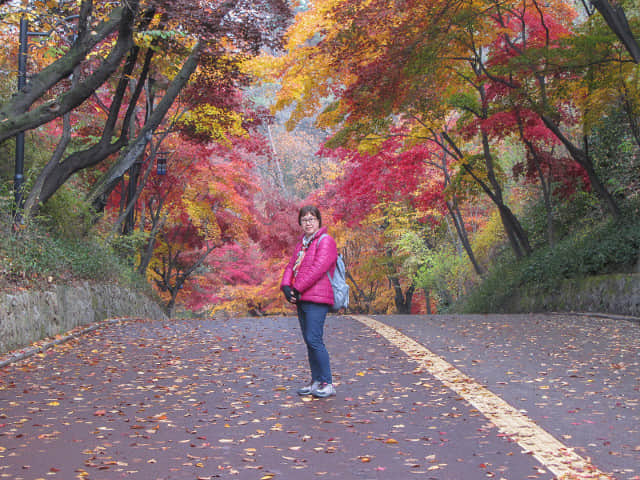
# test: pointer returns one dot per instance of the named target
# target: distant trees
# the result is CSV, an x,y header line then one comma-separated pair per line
x,y
472,84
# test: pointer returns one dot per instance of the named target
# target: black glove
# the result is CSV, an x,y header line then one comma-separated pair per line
x,y
289,293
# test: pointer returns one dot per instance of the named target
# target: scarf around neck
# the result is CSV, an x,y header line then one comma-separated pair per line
x,y
306,241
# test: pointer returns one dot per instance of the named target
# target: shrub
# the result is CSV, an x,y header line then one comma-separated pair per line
x,y
609,247
67,214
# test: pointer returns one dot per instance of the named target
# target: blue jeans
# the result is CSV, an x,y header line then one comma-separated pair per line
x,y
311,317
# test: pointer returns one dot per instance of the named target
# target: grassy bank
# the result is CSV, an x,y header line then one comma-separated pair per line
x,y
34,256
606,248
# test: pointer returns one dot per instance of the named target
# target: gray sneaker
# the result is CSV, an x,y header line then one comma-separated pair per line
x,y
308,390
324,390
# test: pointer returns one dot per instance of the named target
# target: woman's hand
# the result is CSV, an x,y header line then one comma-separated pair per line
x,y
291,294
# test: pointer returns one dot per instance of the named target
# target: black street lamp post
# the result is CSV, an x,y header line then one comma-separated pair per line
x,y
23,53
18,179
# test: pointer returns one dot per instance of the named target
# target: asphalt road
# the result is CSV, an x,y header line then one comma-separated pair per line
x,y
432,397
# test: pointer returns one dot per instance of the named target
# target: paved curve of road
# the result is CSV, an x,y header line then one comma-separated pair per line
x,y
429,397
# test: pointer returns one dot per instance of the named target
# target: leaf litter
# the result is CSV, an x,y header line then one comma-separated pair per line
x,y
213,399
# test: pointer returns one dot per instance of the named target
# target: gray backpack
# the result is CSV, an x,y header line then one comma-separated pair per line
x,y
339,284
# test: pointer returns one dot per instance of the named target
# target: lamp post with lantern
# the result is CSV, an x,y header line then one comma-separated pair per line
x,y
131,191
23,54
161,165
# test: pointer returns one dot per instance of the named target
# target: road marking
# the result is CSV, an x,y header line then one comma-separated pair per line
x,y
561,460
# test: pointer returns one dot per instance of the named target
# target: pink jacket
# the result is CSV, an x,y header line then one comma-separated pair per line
x,y
312,281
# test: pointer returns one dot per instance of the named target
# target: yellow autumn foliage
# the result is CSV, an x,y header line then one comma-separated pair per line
x,y
216,123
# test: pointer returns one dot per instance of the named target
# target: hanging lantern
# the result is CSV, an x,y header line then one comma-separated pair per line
x,y
161,166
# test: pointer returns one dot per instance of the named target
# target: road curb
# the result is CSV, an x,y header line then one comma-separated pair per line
x,y
611,316
45,344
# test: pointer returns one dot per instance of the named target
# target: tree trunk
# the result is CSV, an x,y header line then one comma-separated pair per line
x,y
147,254
427,299
516,234
634,125
548,207
544,183
171,304
614,15
16,115
33,201
518,239
456,215
101,190
402,301
57,173
583,158
359,297
171,277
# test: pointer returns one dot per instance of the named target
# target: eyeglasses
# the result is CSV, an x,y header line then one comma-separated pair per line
x,y
308,220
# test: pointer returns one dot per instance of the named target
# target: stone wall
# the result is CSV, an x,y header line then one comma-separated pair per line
x,y
29,316
611,294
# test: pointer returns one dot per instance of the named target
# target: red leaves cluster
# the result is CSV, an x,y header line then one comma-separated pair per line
x,y
389,175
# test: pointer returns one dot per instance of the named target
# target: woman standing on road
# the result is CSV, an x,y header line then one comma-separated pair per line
x,y
305,283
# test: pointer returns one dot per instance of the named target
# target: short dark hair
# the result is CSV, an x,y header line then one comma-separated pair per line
x,y
313,210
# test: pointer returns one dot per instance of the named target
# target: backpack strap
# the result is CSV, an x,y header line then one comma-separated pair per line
x,y
320,238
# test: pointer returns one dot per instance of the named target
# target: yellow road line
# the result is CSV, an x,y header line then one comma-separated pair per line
x,y
561,460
